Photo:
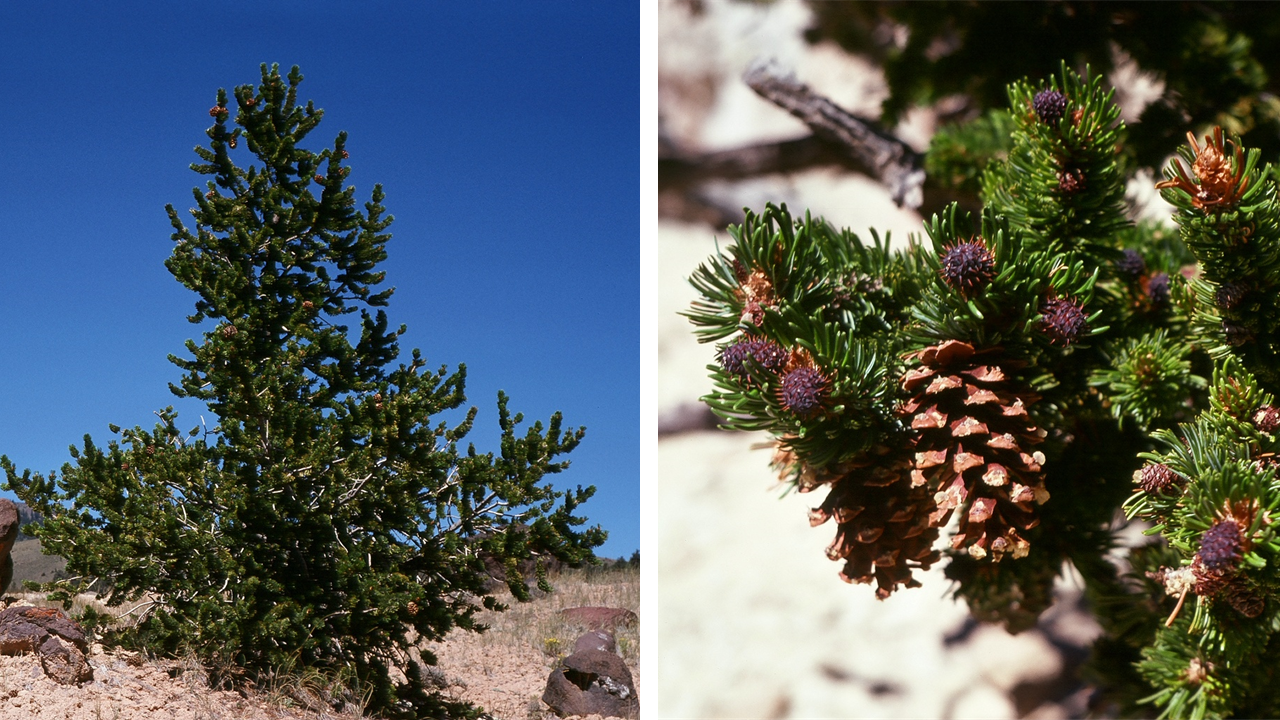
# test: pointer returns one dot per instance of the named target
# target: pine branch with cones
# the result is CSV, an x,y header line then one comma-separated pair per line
x,y
1000,395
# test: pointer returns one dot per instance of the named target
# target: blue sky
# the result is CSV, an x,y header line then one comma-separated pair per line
x,y
506,137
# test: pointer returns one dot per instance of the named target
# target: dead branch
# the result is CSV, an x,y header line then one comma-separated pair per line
x,y
891,161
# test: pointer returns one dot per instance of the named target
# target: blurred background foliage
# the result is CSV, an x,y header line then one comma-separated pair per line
x,y
1217,60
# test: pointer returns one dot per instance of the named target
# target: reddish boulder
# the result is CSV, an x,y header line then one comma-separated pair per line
x,y
9,523
592,682
596,640
48,631
600,618
17,621
63,662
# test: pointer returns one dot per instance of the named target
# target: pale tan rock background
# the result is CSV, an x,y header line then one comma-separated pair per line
x,y
754,622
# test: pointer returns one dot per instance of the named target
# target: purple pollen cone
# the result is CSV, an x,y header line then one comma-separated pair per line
x,y
1220,546
1050,106
968,267
803,390
1064,320
766,353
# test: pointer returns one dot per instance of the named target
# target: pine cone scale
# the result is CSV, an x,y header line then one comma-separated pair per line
x,y
942,383
966,426
980,396
930,418
996,476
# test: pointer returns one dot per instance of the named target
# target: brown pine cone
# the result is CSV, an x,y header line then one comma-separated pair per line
x,y
1209,582
971,448
1229,586
883,531
1243,597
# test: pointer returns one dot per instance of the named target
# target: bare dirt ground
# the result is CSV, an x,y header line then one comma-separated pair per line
x,y
503,670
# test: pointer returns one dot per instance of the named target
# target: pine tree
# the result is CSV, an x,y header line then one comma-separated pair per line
x,y
1032,371
326,520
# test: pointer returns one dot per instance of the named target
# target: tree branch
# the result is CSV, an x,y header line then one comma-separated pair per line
x,y
889,160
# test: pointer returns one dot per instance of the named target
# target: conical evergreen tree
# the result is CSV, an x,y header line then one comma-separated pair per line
x,y
326,520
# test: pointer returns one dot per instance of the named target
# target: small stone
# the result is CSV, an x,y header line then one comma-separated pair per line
x,y
596,640
64,663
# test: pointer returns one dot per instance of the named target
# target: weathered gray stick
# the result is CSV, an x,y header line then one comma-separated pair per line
x,y
891,161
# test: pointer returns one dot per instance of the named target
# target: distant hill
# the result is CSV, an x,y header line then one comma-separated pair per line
x,y
26,516
29,563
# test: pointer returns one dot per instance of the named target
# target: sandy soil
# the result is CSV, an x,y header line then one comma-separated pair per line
x,y
125,688
503,670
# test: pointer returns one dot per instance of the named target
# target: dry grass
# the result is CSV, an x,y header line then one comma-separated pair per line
x,y
538,624
504,669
